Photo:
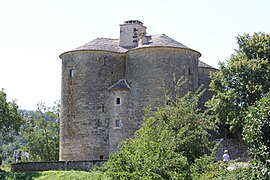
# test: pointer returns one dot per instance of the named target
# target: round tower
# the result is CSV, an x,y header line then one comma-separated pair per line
x,y
151,69
86,76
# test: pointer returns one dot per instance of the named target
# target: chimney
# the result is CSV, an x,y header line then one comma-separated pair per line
x,y
129,33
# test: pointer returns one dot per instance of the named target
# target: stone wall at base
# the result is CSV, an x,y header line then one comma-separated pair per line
x,y
60,165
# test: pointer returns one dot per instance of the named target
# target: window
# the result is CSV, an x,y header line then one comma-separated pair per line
x,y
135,29
71,73
117,123
118,101
135,41
189,71
103,108
101,157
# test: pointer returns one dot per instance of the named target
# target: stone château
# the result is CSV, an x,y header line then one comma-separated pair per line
x,y
107,83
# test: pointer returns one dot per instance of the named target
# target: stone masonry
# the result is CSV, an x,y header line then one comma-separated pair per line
x,y
107,83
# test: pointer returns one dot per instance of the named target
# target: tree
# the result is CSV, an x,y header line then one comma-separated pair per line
x,y
10,119
256,131
41,130
241,81
170,139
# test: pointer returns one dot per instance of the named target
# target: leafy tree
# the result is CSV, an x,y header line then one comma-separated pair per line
x,y
170,139
241,81
41,130
256,131
10,119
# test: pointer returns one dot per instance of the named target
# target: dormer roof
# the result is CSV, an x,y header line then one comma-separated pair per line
x,y
120,85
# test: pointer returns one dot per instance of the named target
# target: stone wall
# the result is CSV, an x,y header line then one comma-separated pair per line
x,y
237,149
61,165
204,79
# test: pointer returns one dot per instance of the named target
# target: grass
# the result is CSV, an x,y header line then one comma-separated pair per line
x,y
52,175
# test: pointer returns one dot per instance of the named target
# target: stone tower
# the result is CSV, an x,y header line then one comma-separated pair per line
x,y
107,83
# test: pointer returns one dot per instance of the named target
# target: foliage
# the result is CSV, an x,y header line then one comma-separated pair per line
x,y
7,149
241,81
204,168
253,170
1,160
256,131
170,139
41,130
10,119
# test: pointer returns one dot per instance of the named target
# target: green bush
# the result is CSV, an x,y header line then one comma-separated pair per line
x,y
170,139
204,168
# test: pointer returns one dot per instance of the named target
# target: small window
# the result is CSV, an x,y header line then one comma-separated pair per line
x,y
101,157
135,41
118,101
135,29
189,71
103,108
135,36
71,73
117,123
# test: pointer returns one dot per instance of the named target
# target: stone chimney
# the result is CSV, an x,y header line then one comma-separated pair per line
x,y
129,33
143,39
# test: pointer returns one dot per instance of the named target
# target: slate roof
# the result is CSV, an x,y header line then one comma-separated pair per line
x,y
121,84
104,44
164,41
204,65
107,44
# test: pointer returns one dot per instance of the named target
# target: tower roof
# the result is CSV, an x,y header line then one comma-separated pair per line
x,y
204,65
103,44
113,45
107,44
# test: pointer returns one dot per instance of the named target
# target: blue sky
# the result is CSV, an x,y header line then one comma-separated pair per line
x,y
33,33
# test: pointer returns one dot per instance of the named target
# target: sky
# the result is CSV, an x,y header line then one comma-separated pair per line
x,y
33,33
